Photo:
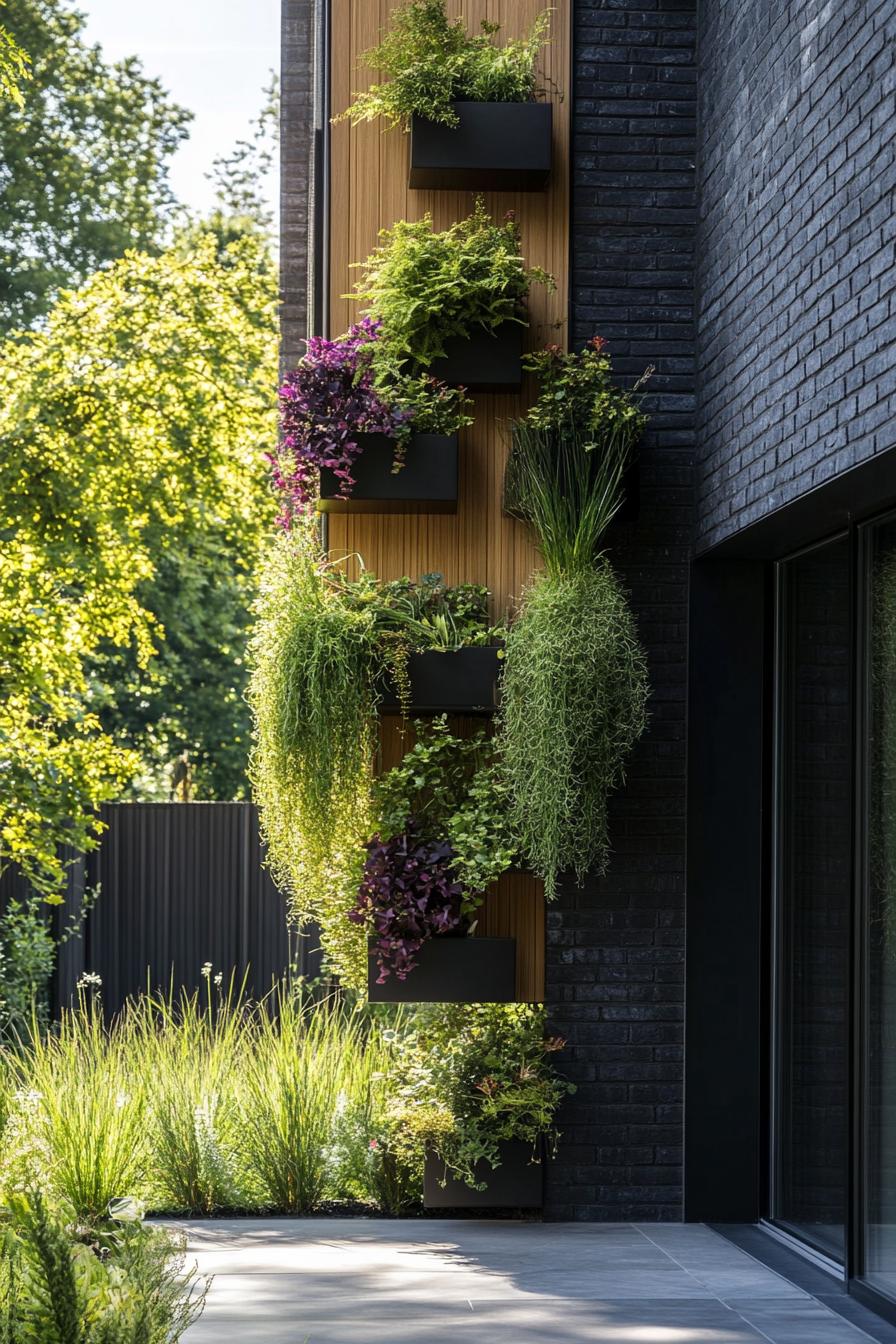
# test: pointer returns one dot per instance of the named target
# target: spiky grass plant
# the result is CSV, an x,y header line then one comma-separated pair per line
x,y
84,1095
297,1060
189,1056
313,706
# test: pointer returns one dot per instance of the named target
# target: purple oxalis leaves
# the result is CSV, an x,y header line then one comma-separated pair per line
x,y
408,894
325,404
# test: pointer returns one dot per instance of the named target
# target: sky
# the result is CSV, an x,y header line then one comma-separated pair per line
x,y
214,57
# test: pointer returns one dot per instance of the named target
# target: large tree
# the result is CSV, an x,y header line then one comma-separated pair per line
x,y
84,161
132,433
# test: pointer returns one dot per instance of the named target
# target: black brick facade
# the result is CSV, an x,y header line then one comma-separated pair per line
x,y
615,969
796,274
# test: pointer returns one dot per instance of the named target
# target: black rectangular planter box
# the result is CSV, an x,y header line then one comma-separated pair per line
x,y
452,970
518,1183
427,483
496,147
462,682
484,361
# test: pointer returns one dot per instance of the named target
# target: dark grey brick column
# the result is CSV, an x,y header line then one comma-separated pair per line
x,y
297,117
616,948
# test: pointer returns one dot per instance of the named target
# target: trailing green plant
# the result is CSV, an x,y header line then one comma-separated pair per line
x,y
313,704
573,705
426,286
575,680
430,61
122,1284
475,1076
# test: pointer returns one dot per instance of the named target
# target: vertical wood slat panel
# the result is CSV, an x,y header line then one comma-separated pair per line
x,y
478,544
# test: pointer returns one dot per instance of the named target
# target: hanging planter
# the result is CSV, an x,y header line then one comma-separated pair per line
x,y
483,361
492,147
461,682
452,969
425,483
518,1183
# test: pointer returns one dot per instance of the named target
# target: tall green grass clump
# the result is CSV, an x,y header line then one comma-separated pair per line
x,y
77,1125
298,1059
189,1054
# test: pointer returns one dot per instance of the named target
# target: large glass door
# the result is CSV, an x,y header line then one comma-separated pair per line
x,y
878,912
813,883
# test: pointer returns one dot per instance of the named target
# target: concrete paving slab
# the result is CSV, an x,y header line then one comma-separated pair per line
x,y
406,1281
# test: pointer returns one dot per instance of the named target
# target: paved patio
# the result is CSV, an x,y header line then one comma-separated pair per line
x,y
332,1281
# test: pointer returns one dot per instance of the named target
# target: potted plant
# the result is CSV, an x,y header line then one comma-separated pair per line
x,y
469,104
442,838
359,435
324,653
575,681
451,304
440,654
480,1097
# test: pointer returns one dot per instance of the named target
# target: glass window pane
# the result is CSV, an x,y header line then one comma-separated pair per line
x,y
880,1119
813,893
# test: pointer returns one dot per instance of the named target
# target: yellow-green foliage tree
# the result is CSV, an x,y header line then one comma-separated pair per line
x,y
140,412
14,68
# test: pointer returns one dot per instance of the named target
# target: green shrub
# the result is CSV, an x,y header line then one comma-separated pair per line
x,y
573,705
27,958
124,1285
426,286
430,61
476,1075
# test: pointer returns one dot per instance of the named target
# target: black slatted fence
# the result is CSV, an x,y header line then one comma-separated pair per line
x,y
180,885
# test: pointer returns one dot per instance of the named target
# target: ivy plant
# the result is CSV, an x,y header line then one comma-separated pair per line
x,y
430,61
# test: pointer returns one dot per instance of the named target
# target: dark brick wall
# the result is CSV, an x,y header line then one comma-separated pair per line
x,y
796,265
298,18
616,948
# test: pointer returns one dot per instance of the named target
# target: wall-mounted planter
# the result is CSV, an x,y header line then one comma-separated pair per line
x,y
495,147
484,361
427,483
453,970
518,1183
463,682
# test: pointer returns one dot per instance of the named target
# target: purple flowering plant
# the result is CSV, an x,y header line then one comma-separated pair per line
x,y
325,404
340,390
409,893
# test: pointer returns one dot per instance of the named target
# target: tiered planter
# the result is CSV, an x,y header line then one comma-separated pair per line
x,y
518,1183
426,483
495,147
462,682
484,361
453,970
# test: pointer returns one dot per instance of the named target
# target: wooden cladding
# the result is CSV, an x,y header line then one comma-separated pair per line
x,y
478,544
